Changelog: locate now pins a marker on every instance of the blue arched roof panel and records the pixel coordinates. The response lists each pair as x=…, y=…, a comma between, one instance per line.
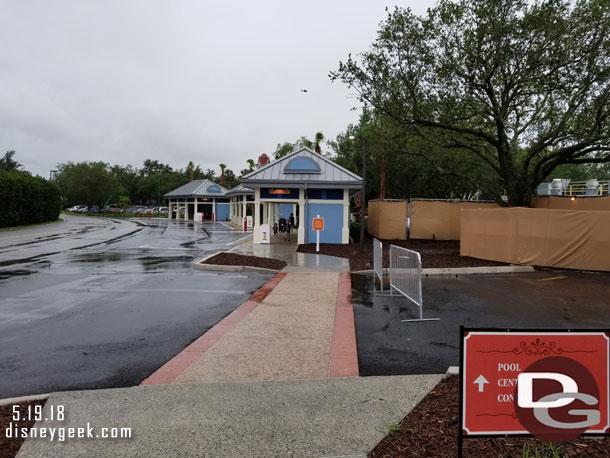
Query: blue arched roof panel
x=301, y=164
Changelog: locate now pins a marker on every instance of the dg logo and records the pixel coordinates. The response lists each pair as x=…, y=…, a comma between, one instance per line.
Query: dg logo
x=557, y=399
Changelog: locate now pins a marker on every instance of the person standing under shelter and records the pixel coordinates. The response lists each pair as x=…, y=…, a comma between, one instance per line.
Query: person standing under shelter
x=288, y=227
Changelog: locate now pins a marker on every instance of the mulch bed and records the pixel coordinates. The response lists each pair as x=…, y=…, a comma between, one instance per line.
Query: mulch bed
x=10, y=447
x=434, y=253
x=232, y=259
x=430, y=430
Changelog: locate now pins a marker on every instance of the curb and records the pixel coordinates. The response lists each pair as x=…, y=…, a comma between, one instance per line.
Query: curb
x=343, y=349
x=33, y=397
x=478, y=270
x=223, y=268
x=176, y=366
x=462, y=270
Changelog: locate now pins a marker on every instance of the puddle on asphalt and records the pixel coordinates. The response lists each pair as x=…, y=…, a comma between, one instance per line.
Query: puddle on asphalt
x=15, y=273
x=149, y=263
x=156, y=260
x=38, y=240
x=191, y=243
x=362, y=285
x=100, y=257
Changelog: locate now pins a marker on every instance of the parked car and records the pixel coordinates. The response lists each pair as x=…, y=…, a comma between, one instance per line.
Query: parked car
x=164, y=209
x=94, y=209
x=81, y=209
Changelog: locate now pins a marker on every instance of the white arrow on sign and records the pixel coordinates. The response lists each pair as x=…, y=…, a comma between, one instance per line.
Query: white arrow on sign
x=481, y=382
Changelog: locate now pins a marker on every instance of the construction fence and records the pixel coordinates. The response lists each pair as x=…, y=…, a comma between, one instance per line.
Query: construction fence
x=570, y=239
x=423, y=219
x=571, y=203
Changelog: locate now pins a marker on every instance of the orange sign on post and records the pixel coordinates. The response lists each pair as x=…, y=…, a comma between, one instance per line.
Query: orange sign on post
x=318, y=224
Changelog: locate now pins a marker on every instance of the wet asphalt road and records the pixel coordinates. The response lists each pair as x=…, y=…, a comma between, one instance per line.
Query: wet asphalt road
x=94, y=303
x=387, y=346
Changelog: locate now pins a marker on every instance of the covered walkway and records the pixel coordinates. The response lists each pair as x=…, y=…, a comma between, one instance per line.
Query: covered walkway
x=199, y=200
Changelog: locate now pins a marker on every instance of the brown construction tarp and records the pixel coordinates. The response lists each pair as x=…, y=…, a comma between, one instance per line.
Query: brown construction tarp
x=387, y=219
x=571, y=203
x=439, y=220
x=541, y=237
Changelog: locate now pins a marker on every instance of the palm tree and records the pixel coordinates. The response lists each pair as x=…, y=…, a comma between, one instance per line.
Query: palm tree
x=222, y=174
x=318, y=139
x=190, y=168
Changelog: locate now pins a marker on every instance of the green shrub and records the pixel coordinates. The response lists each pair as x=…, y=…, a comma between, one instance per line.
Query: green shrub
x=25, y=199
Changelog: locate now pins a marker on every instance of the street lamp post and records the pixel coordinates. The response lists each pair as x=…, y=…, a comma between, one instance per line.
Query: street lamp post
x=363, y=192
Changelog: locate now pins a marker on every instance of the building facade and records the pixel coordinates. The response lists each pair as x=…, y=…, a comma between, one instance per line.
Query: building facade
x=199, y=200
x=306, y=185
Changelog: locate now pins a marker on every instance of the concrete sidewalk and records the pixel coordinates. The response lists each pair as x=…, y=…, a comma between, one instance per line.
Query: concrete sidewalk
x=299, y=325
x=296, y=418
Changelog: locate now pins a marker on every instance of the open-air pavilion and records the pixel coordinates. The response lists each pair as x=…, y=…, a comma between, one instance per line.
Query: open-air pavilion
x=241, y=203
x=308, y=185
x=197, y=199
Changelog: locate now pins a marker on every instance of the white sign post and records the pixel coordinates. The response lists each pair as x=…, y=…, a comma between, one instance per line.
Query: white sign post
x=318, y=225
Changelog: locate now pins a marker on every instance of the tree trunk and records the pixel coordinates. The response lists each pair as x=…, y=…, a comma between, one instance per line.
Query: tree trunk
x=382, y=179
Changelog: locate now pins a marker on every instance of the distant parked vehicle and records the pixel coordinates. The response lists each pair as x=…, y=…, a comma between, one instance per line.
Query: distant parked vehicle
x=94, y=209
x=81, y=209
x=164, y=209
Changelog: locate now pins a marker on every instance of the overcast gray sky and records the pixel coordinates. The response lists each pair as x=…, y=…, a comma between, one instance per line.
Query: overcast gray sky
x=208, y=81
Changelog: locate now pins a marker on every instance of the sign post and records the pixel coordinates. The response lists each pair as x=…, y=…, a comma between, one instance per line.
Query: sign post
x=552, y=384
x=318, y=225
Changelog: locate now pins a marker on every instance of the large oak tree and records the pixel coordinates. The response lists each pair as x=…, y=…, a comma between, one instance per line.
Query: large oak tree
x=523, y=85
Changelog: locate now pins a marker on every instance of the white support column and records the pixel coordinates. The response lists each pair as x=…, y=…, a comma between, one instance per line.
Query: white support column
x=186, y=210
x=301, y=217
x=345, y=231
x=269, y=220
x=214, y=209
x=276, y=213
x=244, y=210
x=256, y=238
x=169, y=216
x=265, y=212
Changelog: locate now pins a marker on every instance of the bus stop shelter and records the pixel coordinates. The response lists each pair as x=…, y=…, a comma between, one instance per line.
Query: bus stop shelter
x=305, y=184
x=241, y=203
x=199, y=198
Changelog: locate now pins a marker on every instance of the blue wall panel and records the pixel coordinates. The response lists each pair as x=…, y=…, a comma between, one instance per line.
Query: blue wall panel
x=333, y=222
x=222, y=212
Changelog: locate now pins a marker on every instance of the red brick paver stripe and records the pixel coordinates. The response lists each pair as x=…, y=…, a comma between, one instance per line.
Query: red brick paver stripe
x=343, y=350
x=178, y=364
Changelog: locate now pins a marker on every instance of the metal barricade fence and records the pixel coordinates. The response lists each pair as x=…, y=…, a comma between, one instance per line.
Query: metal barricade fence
x=377, y=263
x=405, y=277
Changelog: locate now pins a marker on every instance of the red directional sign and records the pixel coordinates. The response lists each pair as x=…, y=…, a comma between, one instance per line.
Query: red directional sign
x=318, y=224
x=550, y=367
